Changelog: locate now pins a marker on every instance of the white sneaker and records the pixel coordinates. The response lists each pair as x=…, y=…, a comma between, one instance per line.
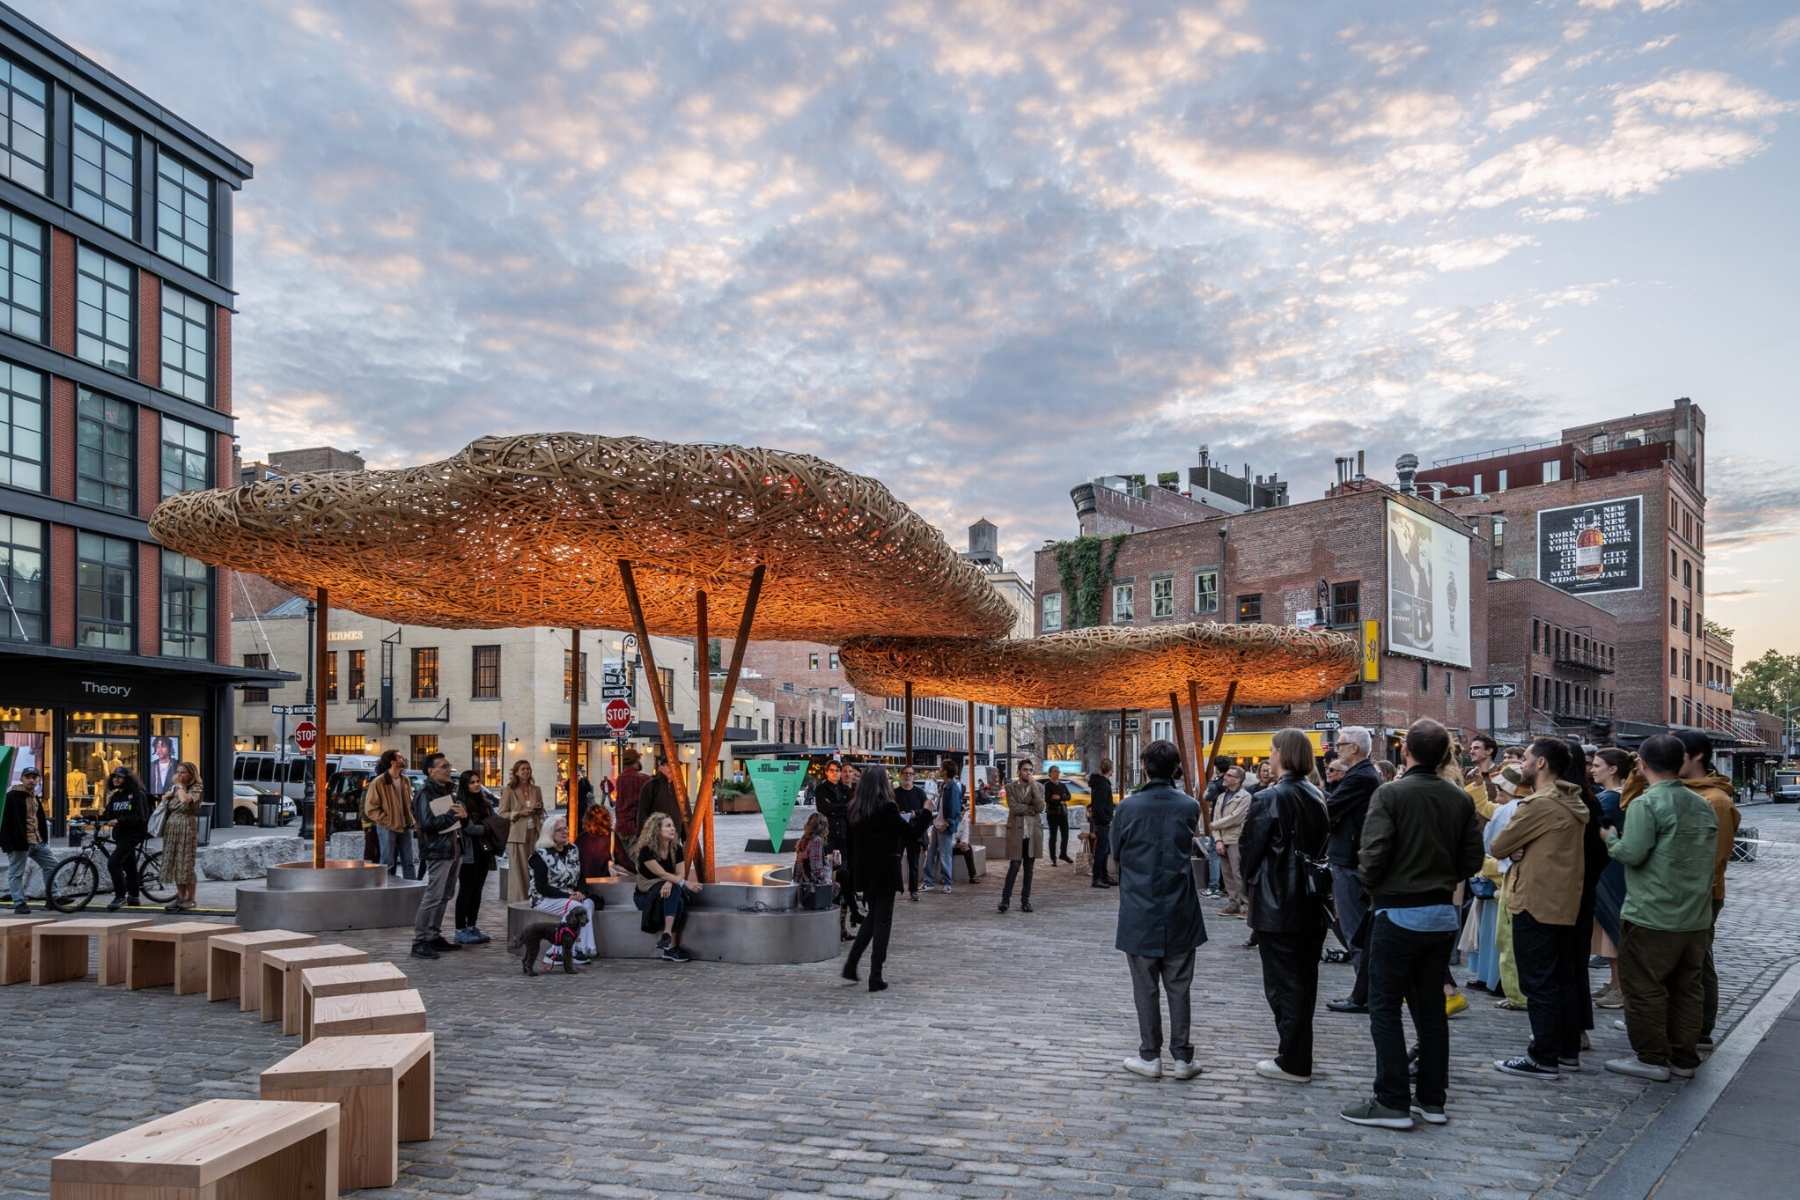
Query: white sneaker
x=1149, y=1068
x=1637, y=1068
x=1184, y=1070
x=946, y=889
x=1268, y=1068
x=1681, y=1072
x=1619, y=1023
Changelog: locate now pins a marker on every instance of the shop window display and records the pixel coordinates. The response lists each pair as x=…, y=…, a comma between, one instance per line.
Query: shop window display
x=98, y=743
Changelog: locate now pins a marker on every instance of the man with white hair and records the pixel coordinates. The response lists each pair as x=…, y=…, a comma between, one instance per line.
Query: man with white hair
x=1347, y=803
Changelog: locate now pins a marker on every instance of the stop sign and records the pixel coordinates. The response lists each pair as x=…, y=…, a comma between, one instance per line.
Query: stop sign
x=618, y=715
x=306, y=735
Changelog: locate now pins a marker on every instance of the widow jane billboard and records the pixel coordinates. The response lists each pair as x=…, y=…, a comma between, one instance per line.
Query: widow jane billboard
x=1588, y=548
x=1428, y=588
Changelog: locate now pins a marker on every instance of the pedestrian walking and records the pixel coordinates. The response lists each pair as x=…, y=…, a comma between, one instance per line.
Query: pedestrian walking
x=24, y=835
x=1056, y=815
x=1699, y=776
x=181, y=835
x=388, y=804
x=476, y=860
x=914, y=808
x=522, y=804
x=1544, y=840
x=1420, y=839
x=1024, y=833
x=939, y=863
x=1667, y=854
x=1284, y=849
x=878, y=833
x=1227, y=826
x=1160, y=924
x=128, y=809
x=1347, y=803
x=1100, y=817
x=438, y=817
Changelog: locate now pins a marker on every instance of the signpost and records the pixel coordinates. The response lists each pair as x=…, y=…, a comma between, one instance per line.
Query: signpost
x=619, y=715
x=1496, y=695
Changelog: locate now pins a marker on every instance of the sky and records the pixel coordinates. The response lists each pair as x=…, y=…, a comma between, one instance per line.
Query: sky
x=986, y=251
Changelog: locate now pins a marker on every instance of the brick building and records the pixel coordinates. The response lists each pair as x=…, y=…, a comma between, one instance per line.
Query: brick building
x=115, y=369
x=1559, y=651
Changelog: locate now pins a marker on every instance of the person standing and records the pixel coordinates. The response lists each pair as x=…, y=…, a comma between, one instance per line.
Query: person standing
x=940, y=852
x=1509, y=781
x=1348, y=806
x=909, y=798
x=625, y=801
x=1056, y=814
x=1484, y=763
x=1698, y=775
x=832, y=798
x=658, y=796
x=24, y=835
x=522, y=804
x=1609, y=768
x=128, y=808
x=438, y=818
x=877, y=833
x=1100, y=817
x=1284, y=841
x=388, y=803
x=475, y=862
x=181, y=835
x=1024, y=833
x=1160, y=924
x=1544, y=840
x=1667, y=853
x=1227, y=825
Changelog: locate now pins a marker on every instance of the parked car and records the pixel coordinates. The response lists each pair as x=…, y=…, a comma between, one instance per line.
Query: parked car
x=1787, y=787
x=244, y=799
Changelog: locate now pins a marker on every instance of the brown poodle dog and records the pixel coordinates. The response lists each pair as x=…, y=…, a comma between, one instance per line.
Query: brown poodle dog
x=560, y=932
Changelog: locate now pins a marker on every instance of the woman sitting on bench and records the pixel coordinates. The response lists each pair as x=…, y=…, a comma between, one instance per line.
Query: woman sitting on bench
x=663, y=887
x=556, y=884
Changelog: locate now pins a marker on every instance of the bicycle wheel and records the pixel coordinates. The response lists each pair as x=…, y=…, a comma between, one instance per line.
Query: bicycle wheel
x=72, y=884
x=151, y=880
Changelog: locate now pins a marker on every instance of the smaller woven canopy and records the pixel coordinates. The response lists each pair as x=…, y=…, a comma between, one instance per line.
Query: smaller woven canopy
x=527, y=531
x=1112, y=666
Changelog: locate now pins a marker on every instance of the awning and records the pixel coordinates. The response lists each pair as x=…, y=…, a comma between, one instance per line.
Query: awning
x=195, y=668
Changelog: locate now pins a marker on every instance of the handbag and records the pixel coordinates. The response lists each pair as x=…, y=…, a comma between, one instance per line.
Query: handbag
x=1315, y=874
x=159, y=817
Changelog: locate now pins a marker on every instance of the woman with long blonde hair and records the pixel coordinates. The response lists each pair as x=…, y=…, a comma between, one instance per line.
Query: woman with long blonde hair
x=665, y=885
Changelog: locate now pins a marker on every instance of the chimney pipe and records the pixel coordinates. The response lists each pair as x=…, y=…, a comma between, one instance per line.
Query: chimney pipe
x=1405, y=468
x=1359, y=465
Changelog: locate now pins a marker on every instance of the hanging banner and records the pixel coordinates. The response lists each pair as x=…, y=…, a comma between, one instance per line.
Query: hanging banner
x=1594, y=547
x=777, y=784
x=1371, y=667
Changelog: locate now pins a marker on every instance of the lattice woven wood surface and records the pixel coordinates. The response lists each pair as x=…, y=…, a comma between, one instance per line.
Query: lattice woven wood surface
x=526, y=531
x=1109, y=666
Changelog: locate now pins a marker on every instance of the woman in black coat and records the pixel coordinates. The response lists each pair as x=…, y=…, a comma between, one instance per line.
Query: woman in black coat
x=128, y=808
x=878, y=833
x=477, y=860
x=1285, y=835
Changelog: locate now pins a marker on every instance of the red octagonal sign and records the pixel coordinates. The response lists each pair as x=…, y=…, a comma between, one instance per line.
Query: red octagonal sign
x=306, y=735
x=618, y=715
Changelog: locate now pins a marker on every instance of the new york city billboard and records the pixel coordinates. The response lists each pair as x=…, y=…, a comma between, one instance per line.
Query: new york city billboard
x=1428, y=588
x=1589, y=548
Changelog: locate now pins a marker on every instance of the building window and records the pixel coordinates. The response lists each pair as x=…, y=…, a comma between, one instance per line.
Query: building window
x=346, y=743
x=486, y=671
x=23, y=126
x=568, y=684
x=1687, y=573
x=1534, y=692
x=1499, y=537
x=1687, y=666
x=1346, y=604
x=183, y=213
x=424, y=673
x=1674, y=661
x=1424, y=677
x=1124, y=603
x=359, y=674
x=812, y=662
x=103, y=290
x=331, y=677
x=186, y=607
x=1674, y=561
x=256, y=695
x=424, y=745
x=185, y=343
x=105, y=575
x=22, y=571
x=1673, y=710
x=1249, y=608
x=1687, y=617
x=21, y=427
x=1162, y=596
x=1700, y=584
x=186, y=458
x=1051, y=605
x=1475, y=485
x=484, y=758
x=1674, y=612
x=1536, y=634
x=1553, y=470
x=22, y=300
x=831, y=660
x=1206, y=592
x=104, y=156
x=105, y=451
x=1501, y=483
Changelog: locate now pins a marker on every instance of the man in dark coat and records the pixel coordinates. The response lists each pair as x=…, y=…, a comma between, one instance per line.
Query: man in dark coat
x=658, y=796
x=1160, y=925
x=1100, y=816
x=1347, y=803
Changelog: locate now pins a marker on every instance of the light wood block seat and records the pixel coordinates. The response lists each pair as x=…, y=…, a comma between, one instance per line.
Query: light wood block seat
x=234, y=962
x=318, y=983
x=384, y=1086
x=281, y=991
x=218, y=1149
x=368, y=1012
x=15, y=947
x=59, y=950
x=172, y=954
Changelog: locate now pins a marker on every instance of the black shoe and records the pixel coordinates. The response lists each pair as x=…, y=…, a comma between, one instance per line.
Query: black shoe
x=1068, y=860
x=913, y=896
x=441, y=944
x=664, y=942
x=1003, y=906
x=116, y=905
x=1527, y=1067
x=1346, y=1005
x=877, y=985
x=849, y=972
x=1024, y=906
x=423, y=950
x=1097, y=883
x=21, y=908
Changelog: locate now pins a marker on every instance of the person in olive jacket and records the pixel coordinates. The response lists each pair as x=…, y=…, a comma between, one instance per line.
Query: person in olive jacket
x=128, y=808
x=24, y=837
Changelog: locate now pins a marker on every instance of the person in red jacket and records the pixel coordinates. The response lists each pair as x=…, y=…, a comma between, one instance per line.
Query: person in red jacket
x=625, y=803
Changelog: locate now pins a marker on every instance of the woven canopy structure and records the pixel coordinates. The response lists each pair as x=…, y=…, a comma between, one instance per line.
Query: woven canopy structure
x=527, y=531
x=1111, y=666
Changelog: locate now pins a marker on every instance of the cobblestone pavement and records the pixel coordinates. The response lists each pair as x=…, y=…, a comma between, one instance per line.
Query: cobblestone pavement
x=990, y=1069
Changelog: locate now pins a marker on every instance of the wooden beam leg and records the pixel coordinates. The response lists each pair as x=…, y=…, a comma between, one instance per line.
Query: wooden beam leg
x=1203, y=771
x=661, y=702
x=1187, y=764
x=722, y=720
x=321, y=668
x=908, y=761
x=576, y=679
x=699, y=832
x=970, y=705
x=1119, y=764
x=1219, y=733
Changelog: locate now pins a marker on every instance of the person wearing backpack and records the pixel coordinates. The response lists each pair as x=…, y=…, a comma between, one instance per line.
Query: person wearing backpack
x=1282, y=851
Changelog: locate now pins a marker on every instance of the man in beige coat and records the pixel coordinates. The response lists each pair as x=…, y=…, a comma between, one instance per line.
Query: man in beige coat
x=388, y=805
x=1227, y=825
x=1024, y=833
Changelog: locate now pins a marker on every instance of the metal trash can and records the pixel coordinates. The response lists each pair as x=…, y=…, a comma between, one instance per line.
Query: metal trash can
x=206, y=820
x=268, y=812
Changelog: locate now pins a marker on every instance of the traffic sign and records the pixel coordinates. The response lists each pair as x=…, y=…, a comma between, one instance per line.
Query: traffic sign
x=306, y=735
x=293, y=710
x=1131, y=725
x=1327, y=725
x=1492, y=691
x=1332, y=715
x=618, y=715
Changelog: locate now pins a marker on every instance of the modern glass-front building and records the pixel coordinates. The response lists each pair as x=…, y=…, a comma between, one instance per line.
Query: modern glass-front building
x=116, y=304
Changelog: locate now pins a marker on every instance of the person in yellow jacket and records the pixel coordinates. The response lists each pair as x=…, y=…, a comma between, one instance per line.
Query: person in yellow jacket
x=1698, y=775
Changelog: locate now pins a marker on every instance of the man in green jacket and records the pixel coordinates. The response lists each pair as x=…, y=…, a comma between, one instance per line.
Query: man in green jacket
x=1667, y=849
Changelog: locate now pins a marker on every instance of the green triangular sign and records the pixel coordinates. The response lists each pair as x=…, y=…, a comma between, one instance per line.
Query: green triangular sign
x=777, y=783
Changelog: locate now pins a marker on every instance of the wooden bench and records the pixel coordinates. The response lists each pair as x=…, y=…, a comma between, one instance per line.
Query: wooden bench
x=368, y=1012
x=233, y=963
x=170, y=955
x=281, y=978
x=246, y=1149
x=15, y=947
x=383, y=1085
x=320, y=983
x=59, y=950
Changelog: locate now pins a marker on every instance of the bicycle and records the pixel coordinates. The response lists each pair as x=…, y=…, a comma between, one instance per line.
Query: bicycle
x=71, y=887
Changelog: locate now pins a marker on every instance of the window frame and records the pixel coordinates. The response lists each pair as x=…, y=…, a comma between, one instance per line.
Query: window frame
x=109, y=406
x=14, y=627
x=100, y=207
x=331, y=677
x=567, y=686
x=185, y=453
x=256, y=695
x=426, y=677
x=1249, y=608
x=1050, y=615
x=10, y=72
x=1337, y=617
x=177, y=309
x=1129, y=589
x=484, y=671
x=356, y=672
x=1206, y=600
x=12, y=402
x=107, y=569
x=1552, y=471
x=85, y=279
x=13, y=245
x=171, y=630
x=1162, y=597
x=204, y=194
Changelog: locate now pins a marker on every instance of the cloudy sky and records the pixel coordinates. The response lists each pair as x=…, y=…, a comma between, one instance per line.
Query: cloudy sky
x=984, y=251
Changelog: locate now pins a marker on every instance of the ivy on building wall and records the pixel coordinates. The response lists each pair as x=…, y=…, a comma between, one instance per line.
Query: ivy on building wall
x=1085, y=567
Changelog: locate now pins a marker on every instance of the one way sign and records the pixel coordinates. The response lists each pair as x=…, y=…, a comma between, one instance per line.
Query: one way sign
x=1492, y=691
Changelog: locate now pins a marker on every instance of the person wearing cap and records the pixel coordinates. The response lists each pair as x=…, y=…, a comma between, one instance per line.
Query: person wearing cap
x=24, y=832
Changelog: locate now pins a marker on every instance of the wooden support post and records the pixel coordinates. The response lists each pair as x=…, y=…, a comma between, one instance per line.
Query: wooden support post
x=1219, y=733
x=703, y=711
x=1204, y=772
x=1187, y=764
x=575, y=681
x=909, y=726
x=970, y=705
x=1119, y=763
x=321, y=665
x=661, y=702
x=712, y=738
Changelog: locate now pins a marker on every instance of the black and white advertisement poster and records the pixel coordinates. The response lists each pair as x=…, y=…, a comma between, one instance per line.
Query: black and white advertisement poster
x=1428, y=588
x=1588, y=548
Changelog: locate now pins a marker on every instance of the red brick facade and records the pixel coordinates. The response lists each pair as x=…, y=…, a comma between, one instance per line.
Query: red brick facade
x=62, y=433
x=62, y=292
x=149, y=461
x=222, y=364
x=62, y=585
x=1560, y=651
x=149, y=329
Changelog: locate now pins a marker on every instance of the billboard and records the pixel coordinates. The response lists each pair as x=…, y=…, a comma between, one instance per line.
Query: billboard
x=1428, y=588
x=1588, y=548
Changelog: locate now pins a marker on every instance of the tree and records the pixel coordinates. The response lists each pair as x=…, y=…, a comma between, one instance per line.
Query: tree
x=1719, y=631
x=1770, y=683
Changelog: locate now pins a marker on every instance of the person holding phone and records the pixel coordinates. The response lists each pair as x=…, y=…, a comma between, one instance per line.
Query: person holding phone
x=439, y=818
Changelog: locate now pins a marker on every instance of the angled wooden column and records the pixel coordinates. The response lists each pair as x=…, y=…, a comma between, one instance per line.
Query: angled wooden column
x=970, y=705
x=661, y=702
x=909, y=726
x=1119, y=763
x=321, y=665
x=703, y=714
x=1204, y=772
x=576, y=679
x=1219, y=733
x=1187, y=764
x=712, y=732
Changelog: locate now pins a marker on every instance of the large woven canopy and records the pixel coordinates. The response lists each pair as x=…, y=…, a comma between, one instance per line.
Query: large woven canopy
x=527, y=531
x=1111, y=666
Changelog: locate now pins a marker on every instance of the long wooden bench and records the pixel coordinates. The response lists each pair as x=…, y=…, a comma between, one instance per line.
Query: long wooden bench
x=321, y=983
x=15, y=947
x=281, y=969
x=384, y=1086
x=59, y=950
x=172, y=954
x=218, y=1149
x=233, y=963
x=368, y=1012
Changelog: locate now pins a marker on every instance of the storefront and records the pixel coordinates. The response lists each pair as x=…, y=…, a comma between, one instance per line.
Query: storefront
x=77, y=717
